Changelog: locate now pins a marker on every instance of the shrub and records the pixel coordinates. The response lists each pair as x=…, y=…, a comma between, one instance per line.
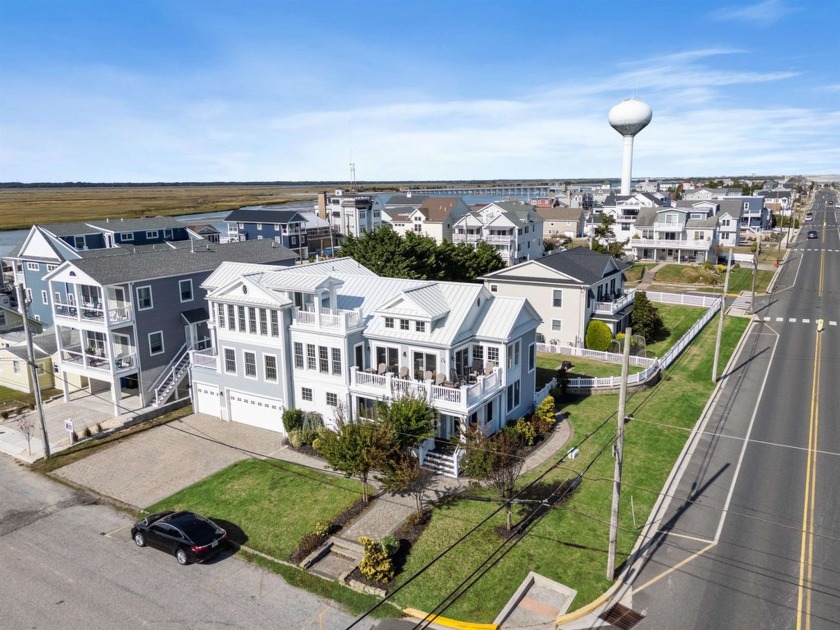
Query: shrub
x=309, y=543
x=376, y=565
x=598, y=336
x=296, y=438
x=293, y=419
x=544, y=416
x=311, y=422
x=87, y=432
x=526, y=431
x=322, y=528
x=4, y=414
x=390, y=545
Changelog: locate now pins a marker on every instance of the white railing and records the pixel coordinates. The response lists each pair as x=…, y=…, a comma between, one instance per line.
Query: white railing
x=446, y=394
x=615, y=306
x=466, y=238
x=681, y=298
x=328, y=318
x=610, y=357
x=542, y=394
x=367, y=379
x=99, y=363
x=692, y=332
x=672, y=244
x=496, y=238
x=87, y=312
x=304, y=317
x=207, y=359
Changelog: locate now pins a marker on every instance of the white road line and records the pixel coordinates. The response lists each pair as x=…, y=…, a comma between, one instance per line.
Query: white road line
x=806, y=321
x=780, y=319
x=832, y=323
x=767, y=318
x=792, y=320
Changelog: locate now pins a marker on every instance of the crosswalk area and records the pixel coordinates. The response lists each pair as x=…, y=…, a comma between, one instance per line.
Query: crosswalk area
x=795, y=320
x=819, y=249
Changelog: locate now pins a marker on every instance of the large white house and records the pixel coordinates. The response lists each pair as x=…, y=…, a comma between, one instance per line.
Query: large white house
x=332, y=334
x=513, y=228
x=434, y=217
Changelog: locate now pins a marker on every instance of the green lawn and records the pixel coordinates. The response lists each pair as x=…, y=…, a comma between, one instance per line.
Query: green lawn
x=274, y=503
x=548, y=363
x=636, y=272
x=570, y=544
x=740, y=279
x=8, y=395
x=677, y=320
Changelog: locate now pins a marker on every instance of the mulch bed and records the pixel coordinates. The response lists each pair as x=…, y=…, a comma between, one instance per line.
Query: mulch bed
x=310, y=542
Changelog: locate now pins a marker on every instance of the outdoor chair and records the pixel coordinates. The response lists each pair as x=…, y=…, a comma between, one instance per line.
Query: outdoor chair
x=488, y=368
x=404, y=372
x=440, y=379
x=382, y=369
x=428, y=375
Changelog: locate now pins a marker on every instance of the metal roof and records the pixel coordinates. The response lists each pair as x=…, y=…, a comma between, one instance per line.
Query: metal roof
x=262, y=214
x=227, y=272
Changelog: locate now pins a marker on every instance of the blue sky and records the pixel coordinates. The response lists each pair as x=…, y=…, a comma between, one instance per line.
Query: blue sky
x=184, y=90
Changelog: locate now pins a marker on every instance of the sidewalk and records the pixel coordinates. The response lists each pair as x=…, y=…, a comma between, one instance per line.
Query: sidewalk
x=647, y=279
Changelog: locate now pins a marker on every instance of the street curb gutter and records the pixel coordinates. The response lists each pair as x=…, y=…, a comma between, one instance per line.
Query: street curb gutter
x=664, y=499
x=772, y=286
x=450, y=623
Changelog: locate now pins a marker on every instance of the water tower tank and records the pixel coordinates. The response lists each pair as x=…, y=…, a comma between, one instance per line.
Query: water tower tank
x=630, y=116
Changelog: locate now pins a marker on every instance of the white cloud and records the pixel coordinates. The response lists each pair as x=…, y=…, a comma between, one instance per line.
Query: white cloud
x=763, y=13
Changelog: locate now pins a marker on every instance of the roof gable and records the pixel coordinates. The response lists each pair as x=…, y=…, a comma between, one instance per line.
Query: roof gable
x=42, y=244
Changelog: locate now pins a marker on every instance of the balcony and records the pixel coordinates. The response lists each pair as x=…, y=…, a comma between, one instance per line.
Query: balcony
x=466, y=238
x=450, y=399
x=611, y=307
x=334, y=319
x=501, y=239
x=668, y=227
x=206, y=359
x=671, y=243
x=97, y=364
x=118, y=315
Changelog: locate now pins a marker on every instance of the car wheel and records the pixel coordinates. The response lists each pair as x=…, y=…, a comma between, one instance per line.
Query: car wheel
x=182, y=557
x=139, y=539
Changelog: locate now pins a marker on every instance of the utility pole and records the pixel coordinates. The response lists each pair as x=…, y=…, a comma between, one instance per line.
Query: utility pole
x=755, y=272
x=720, y=321
x=619, y=454
x=33, y=366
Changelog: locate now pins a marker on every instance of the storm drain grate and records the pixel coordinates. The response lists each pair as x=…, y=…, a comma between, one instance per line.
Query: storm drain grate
x=621, y=617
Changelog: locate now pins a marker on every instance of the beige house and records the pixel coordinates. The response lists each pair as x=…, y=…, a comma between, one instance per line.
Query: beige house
x=568, y=289
x=560, y=222
x=14, y=368
x=434, y=217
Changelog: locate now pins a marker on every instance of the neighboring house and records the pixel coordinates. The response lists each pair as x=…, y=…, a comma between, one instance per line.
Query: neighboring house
x=287, y=227
x=14, y=363
x=350, y=214
x=434, y=217
x=513, y=228
x=319, y=235
x=133, y=316
x=206, y=232
x=778, y=201
x=12, y=320
x=560, y=222
x=729, y=227
x=329, y=335
x=755, y=216
x=47, y=246
x=567, y=290
x=624, y=209
x=679, y=234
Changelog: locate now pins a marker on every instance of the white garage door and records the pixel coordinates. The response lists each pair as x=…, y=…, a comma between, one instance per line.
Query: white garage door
x=208, y=400
x=257, y=411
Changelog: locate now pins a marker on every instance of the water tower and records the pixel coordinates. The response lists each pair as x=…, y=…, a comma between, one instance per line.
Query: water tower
x=628, y=118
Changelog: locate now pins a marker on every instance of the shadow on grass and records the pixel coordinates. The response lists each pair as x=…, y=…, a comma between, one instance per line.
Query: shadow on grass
x=235, y=533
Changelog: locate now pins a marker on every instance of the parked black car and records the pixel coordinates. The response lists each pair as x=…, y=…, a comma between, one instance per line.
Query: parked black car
x=186, y=535
x=813, y=234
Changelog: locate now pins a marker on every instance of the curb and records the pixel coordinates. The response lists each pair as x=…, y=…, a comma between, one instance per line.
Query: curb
x=449, y=623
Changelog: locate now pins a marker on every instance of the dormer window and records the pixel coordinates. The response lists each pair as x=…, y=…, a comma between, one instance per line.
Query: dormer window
x=404, y=324
x=151, y=233
x=389, y=322
x=420, y=327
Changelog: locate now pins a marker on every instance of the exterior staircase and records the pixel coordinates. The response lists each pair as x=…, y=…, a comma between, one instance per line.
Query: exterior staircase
x=171, y=376
x=343, y=556
x=442, y=463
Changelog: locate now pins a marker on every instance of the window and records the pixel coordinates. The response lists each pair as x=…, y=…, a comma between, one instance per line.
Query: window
x=557, y=324
x=478, y=354
x=144, y=298
x=389, y=322
x=336, y=360
x=259, y=226
x=276, y=227
x=29, y=295
x=79, y=241
x=275, y=326
x=151, y=233
x=33, y=266
x=310, y=356
x=306, y=393
x=293, y=240
x=250, y=364
x=724, y=222
x=332, y=399
x=16, y=367
x=221, y=315
x=532, y=357
x=494, y=288
x=230, y=361
x=231, y=317
x=493, y=355
x=513, y=396
x=252, y=320
x=404, y=324
x=298, y=354
x=420, y=327
x=241, y=226
x=44, y=297
x=52, y=267
x=186, y=289
x=263, y=322
x=126, y=236
x=156, y=342
x=240, y=310
x=558, y=298
x=270, y=364
x=323, y=360
x=167, y=233
x=513, y=355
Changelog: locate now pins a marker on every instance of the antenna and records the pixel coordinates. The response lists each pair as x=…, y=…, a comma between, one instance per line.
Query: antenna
x=352, y=163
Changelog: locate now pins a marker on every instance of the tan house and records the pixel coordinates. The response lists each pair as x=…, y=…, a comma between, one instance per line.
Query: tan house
x=434, y=217
x=568, y=289
x=14, y=368
x=560, y=222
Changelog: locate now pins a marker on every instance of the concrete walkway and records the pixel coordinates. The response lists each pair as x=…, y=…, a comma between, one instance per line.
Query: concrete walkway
x=647, y=279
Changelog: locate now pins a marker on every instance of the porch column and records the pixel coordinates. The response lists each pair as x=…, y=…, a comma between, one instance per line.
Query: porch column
x=65, y=388
x=116, y=394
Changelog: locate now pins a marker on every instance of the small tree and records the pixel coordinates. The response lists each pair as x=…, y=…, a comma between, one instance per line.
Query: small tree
x=410, y=418
x=507, y=461
x=598, y=335
x=645, y=317
x=25, y=423
x=355, y=448
x=403, y=474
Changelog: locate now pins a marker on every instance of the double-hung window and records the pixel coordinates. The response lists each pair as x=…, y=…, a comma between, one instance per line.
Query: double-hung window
x=557, y=300
x=144, y=298
x=310, y=356
x=252, y=320
x=250, y=364
x=221, y=315
x=336, y=360
x=186, y=289
x=230, y=361
x=263, y=322
x=275, y=326
x=241, y=312
x=323, y=360
x=298, y=355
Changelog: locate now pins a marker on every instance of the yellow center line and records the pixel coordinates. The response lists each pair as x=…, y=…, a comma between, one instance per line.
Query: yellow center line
x=806, y=553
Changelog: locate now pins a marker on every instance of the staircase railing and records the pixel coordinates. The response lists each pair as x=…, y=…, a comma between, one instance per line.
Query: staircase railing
x=171, y=374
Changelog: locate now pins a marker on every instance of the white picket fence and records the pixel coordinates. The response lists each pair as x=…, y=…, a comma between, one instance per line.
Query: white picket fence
x=681, y=298
x=652, y=365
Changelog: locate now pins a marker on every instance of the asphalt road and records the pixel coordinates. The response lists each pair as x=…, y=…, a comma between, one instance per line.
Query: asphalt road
x=68, y=562
x=751, y=535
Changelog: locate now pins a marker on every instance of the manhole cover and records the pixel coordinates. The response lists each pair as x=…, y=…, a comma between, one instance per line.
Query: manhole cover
x=621, y=617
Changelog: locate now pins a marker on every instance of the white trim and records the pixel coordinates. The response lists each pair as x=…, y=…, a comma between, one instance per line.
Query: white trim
x=181, y=291
x=276, y=378
x=152, y=234
x=224, y=361
x=256, y=373
x=126, y=236
x=151, y=297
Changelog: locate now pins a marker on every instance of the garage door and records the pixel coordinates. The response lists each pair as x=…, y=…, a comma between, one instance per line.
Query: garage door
x=257, y=411
x=208, y=400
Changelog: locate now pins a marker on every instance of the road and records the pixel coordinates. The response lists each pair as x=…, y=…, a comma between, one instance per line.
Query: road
x=750, y=537
x=67, y=562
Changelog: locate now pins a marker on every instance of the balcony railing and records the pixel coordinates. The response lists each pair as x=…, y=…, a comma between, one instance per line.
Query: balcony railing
x=446, y=398
x=611, y=307
x=123, y=362
x=328, y=318
x=672, y=244
x=668, y=227
x=206, y=359
x=466, y=238
x=501, y=239
x=93, y=313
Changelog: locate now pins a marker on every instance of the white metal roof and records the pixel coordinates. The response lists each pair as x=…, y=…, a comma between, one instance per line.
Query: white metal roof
x=227, y=272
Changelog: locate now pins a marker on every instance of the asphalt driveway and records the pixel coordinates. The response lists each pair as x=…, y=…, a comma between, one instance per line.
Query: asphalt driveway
x=159, y=462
